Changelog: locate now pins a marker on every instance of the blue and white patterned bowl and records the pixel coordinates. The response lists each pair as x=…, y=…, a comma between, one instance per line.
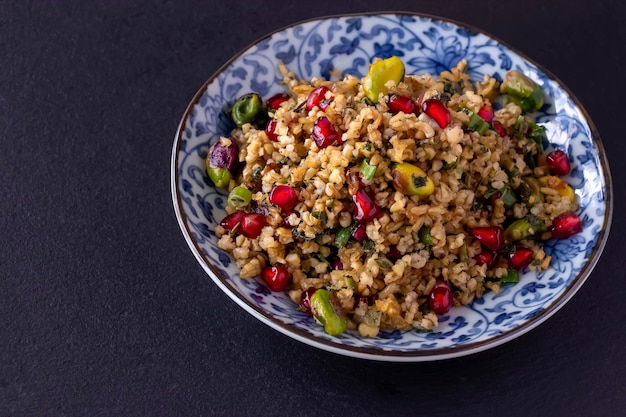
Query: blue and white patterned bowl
x=426, y=44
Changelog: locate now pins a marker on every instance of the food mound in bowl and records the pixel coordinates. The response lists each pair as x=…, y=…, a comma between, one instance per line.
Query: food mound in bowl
x=382, y=202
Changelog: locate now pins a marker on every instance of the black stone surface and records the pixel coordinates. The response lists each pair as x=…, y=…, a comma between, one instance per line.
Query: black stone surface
x=105, y=312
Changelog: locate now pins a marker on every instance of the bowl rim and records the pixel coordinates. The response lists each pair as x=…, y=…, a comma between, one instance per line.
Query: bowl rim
x=378, y=353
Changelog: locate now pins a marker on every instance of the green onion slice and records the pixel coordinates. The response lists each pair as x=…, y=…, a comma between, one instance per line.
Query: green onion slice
x=512, y=277
x=367, y=171
x=239, y=197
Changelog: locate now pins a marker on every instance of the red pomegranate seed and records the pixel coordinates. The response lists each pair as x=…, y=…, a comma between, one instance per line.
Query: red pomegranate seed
x=276, y=277
x=365, y=208
x=276, y=100
x=499, y=128
x=252, y=224
x=284, y=197
x=398, y=103
x=305, y=300
x=494, y=197
x=566, y=225
x=324, y=133
x=486, y=257
x=440, y=299
x=359, y=232
x=394, y=254
x=437, y=111
x=337, y=265
x=520, y=258
x=486, y=113
x=231, y=221
x=317, y=98
x=492, y=237
x=558, y=163
x=270, y=130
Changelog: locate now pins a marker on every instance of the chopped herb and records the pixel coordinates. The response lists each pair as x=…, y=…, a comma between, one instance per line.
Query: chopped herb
x=443, y=97
x=536, y=134
x=530, y=160
x=384, y=263
x=463, y=253
x=300, y=106
x=521, y=127
x=508, y=196
x=343, y=235
x=368, y=245
x=452, y=88
x=417, y=326
x=491, y=191
x=321, y=215
x=513, y=173
x=256, y=173
x=300, y=235
x=368, y=146
x=450, y=165
x=319, y=257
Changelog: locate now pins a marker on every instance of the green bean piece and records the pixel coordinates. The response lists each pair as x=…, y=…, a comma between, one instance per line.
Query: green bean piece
x=247, y=109
x=324, y=311
x=379, y=74
x=523, y=91
x=219, y=176
x=239, y=197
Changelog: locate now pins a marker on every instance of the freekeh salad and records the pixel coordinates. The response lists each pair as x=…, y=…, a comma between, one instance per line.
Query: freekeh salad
x=381, y=202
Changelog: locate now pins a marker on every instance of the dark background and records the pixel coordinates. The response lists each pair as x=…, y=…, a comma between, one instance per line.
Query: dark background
x=105, y=312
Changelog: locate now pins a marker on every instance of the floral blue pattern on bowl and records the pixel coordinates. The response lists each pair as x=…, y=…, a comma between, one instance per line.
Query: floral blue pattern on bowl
x=426, y=44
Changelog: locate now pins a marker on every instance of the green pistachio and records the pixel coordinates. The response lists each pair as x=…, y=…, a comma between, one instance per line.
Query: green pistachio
x=412, y=180
x=219, y=176
x=325, y=312
x=248, y=109
x=523, y=91
x=379, y=74
x=523, y=228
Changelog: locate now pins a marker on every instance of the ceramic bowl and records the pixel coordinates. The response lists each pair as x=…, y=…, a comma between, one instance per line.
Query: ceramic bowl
x=426, y=44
